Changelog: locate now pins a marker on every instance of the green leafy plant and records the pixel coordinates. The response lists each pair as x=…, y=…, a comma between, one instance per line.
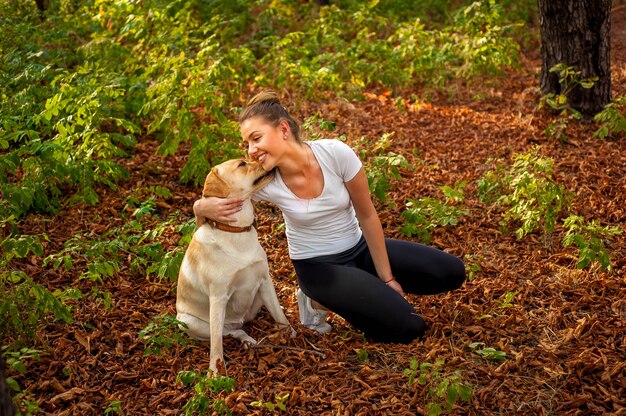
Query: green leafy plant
x=532, y=197
x=590, y=238
x=612, y=118
x=206, y=389
x=507, y=300
x=115, y=407
x=443, y=390
x=362, y=354
x=104, y=256
x=488, y=353
x=80, y=91
x=569, y=79
x=25, y=305
x=425, y=214
x=162, y=333
x=278, y=404
x=316, y=124
x=381, y=165
x=472, y=265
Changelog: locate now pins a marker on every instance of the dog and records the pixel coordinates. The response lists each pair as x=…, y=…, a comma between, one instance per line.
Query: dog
x=224, y=278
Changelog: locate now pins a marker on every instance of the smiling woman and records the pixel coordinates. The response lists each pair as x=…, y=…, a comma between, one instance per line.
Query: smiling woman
x=336, y=243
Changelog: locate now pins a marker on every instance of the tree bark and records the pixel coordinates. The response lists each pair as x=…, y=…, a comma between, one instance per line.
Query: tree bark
x=577, y=33
x=6, y=403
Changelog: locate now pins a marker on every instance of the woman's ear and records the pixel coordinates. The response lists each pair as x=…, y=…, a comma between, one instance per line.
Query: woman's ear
x=284, y=128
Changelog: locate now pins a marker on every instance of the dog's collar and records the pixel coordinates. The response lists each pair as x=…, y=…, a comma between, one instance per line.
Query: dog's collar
x=228, y=228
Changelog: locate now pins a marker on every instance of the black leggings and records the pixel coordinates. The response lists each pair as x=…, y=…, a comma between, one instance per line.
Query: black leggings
x=348, y=285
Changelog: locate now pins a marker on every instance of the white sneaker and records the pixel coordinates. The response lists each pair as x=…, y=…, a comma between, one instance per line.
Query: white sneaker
x=310, y=317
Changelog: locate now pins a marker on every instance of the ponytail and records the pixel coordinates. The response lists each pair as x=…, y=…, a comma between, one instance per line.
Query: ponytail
x=267, y=104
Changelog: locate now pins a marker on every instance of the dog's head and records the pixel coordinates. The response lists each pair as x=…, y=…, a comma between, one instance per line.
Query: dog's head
x=236, y=178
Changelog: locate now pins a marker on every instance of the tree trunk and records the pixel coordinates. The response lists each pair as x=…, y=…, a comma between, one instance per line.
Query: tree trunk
x=6, y=403
x=577, y=33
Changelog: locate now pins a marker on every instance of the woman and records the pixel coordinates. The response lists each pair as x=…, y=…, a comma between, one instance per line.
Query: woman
x=342, y=260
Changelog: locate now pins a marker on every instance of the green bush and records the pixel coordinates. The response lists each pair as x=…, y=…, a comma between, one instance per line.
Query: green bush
x=163, y=332
x=612, y=118
x=80, y=90
x=206, y=389
x=590, y=238
x=26, y=305
x=532, y=198
x=442, y=390
x=381, y=165
x=134, y=243
x=425, y=214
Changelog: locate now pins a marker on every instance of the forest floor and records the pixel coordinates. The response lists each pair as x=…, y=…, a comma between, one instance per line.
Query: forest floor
x=562, y=328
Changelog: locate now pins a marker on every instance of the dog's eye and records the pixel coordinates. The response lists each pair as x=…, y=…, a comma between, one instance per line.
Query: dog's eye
x=242, y=164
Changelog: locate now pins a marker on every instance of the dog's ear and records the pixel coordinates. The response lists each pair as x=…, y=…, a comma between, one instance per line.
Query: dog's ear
x=214, y=185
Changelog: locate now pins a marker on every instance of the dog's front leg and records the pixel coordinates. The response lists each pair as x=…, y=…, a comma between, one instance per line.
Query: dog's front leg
x=270, y=300
x=217, y=314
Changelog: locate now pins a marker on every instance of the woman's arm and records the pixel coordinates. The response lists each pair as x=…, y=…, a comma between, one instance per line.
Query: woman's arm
x=372, y=229
x=217, y=209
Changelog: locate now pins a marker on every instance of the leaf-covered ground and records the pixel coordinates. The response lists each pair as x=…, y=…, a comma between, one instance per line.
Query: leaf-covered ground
x=563, y=331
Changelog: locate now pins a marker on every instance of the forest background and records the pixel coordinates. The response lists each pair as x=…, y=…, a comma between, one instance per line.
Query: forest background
x=112, y=113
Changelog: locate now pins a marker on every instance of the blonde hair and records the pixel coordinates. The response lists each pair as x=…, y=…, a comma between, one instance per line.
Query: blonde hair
x=267, y=104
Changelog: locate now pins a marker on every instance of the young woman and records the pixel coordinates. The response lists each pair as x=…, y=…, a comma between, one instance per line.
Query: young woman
x=342, y=260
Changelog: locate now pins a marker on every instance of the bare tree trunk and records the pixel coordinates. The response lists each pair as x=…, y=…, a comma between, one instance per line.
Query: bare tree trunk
x=6, y=403
x=577, y=33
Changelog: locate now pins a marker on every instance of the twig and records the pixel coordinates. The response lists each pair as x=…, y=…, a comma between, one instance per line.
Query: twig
x=283, y=347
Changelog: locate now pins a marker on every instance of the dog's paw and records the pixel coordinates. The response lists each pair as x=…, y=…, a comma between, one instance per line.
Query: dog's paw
x=214, y=366
x=248, y=341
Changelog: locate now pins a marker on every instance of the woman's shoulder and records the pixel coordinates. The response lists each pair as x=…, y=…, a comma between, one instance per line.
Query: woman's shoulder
x=330, y=145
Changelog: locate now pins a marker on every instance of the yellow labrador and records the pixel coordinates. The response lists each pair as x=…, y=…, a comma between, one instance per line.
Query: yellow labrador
x=224, y=278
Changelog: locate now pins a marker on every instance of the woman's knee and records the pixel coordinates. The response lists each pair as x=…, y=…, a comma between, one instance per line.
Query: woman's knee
x=402, y=332
x=414, y=329
x=456, y=273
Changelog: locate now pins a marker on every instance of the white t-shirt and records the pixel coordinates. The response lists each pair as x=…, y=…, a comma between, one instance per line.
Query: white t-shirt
x=326, y=224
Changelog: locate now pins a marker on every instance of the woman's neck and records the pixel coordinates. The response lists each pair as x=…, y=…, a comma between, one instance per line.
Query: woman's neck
x=296, y=161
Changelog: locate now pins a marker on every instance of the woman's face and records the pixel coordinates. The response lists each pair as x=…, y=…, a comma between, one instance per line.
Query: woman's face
x=265, y=142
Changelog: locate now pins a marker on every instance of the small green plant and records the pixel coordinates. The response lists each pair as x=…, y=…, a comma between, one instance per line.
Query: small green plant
x=472, y=265
x=590, y=238
x=163, y=332
x=612, y=118
x=534, y=199
x=507, y=300
x=443, y=391
x=569, y=79
x=115, y=407
x=381, y=165
x=425, y=214
x=206, y=389
x=278, y=404
x=362, y=354
x=489, y=353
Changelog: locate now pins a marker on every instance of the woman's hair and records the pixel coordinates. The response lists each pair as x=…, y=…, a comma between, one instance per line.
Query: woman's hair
x=266, y=104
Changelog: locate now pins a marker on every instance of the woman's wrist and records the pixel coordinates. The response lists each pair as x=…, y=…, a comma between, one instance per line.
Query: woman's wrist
x=196, y=207
x=389, y=281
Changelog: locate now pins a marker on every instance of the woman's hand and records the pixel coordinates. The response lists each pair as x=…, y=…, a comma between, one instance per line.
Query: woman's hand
x=217, y=209
x=396, y=286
